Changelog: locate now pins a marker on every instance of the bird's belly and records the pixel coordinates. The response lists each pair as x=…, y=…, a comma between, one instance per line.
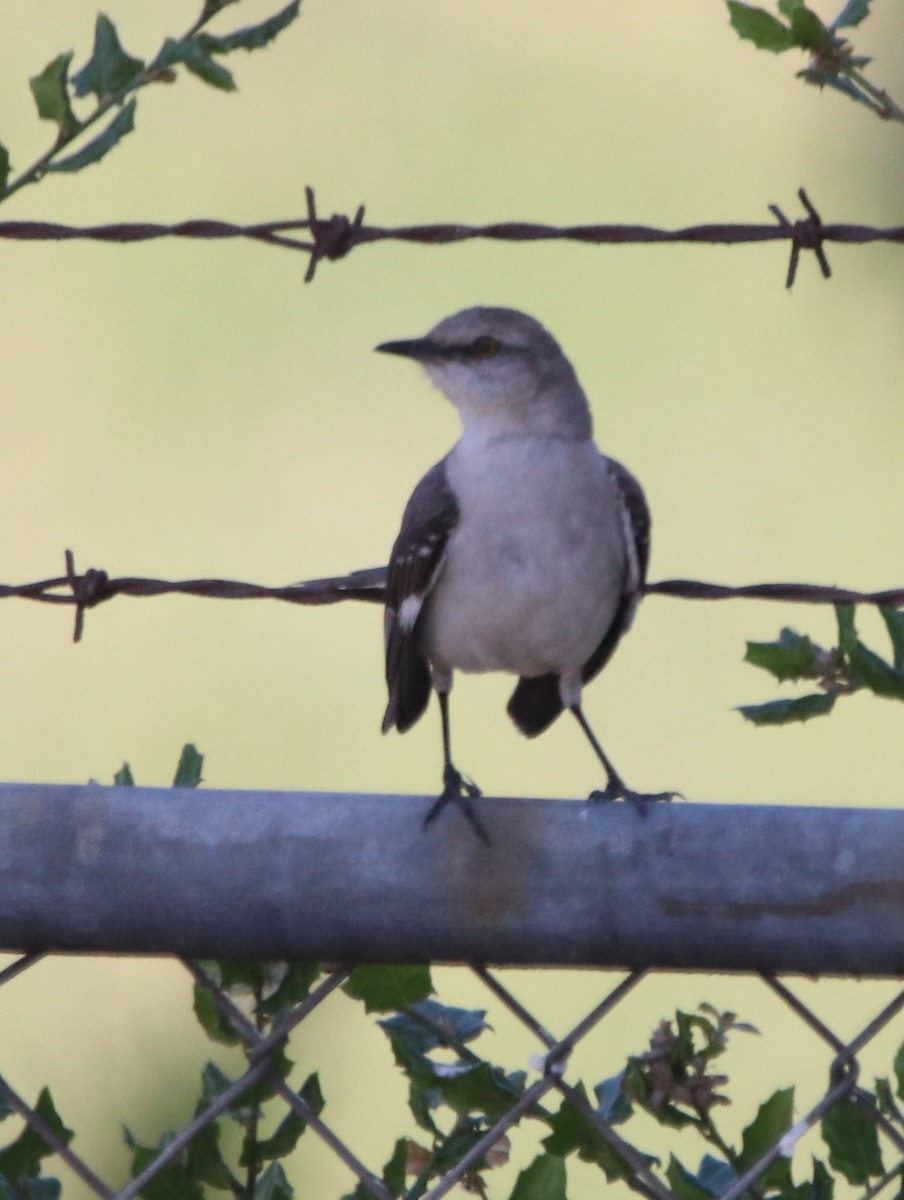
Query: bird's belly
x=501, y=604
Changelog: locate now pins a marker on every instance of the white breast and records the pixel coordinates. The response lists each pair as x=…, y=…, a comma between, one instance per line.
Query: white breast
x=536, y=567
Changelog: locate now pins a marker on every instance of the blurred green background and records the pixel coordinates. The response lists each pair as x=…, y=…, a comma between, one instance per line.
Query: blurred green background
x=192, y=409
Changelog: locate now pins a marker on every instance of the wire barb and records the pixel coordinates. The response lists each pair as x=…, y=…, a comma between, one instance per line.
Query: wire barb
x=805, y=234
x=332, y=238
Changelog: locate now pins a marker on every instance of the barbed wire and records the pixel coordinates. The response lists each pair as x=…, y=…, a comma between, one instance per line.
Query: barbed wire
x=95, y=586
x=335, y=236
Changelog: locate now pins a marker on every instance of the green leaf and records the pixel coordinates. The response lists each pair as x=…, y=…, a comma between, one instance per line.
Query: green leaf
x=295, y=984
x=820, y=1187
x=477, y=1088
x=188, y=772
x=847, y=633
x=760, y=27
x=284, y=1139
x=273, y=1184
x=124, y=777
x=212, y=1021
x=611, y=1102
x=894, y=623
x=684, y=1183
x=394, y=1171
x=875, y=673
x=788, y=7
x=899, y=1071
x=853, y=1142
x=122, y=123
x=109, y=69
x=571, y=1131
x=781, y=712
x=191, y=55
x=716, y=1176
x=544, y=1179
x=852, y=13
x=808, y=31
x=22, y=1157
x=253, y=37
x=214, y=1083
x=422, y=1035
x=886, y=1100
x=384, y=989
x=773, y=1120
x=204, y=1159
x=171, y=1182
x=52, y=96
x=793, y=656
x=33, y=1189
x=248, y=1104
x=5, y=168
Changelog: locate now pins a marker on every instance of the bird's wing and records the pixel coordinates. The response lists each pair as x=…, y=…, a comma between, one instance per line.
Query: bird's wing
x=417, y=558
x=535, y=703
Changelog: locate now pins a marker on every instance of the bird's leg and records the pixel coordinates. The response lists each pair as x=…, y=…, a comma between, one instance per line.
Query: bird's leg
x=457, y=788
x=615, y=789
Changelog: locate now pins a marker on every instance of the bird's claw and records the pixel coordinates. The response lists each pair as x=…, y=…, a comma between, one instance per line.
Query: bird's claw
x=459, y=790
x=642, y=801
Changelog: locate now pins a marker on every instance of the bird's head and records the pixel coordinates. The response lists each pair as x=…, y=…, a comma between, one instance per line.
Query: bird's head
x=504, y=373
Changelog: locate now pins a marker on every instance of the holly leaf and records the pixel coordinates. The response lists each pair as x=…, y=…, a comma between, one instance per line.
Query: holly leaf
x=284, y=1139
x=110, y=69
x=22, y=1157
x=544, y=1179
x=253, y=37
x=124, y=777
x=852, y=14
x=51, y=93
x=873, y=671
x=476, y=1088
x=793, y=656
x=808, y=31
x=772, y=1122
x=122, y=123
x=684, y=1183
x=421, y=1029
x=571, y=1130
x=782, y=712
x=760, y=27
x=273, y=1184
x=188, y=771
x=386, y=989
x=853, y=1142
x=894, y=623
x=211, y=1019
x=192, y=55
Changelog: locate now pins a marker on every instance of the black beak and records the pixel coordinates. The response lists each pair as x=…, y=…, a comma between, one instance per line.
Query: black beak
x=421, y=349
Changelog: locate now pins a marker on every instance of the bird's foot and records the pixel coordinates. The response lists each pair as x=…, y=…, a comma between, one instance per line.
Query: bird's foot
x=459, y=790
x=641, y=800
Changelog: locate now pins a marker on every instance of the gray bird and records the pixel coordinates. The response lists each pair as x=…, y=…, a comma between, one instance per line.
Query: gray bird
x=524, y=550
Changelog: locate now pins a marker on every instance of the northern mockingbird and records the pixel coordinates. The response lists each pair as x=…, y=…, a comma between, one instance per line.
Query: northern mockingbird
x=524, y=550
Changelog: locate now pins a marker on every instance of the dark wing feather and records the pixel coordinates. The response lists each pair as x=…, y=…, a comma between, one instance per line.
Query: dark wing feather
x=535, y=703
x=417, y=557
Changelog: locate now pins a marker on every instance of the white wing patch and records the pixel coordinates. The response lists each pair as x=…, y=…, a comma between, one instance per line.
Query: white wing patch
x=409, y=611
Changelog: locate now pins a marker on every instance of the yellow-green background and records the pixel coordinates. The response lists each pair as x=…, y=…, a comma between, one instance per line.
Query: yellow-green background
x=177, y=409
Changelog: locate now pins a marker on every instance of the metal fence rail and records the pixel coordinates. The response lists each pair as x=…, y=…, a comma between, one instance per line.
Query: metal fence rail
x=351, y=879
x=355, y=878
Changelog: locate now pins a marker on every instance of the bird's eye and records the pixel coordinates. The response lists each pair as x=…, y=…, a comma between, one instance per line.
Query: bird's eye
x=484, y=347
